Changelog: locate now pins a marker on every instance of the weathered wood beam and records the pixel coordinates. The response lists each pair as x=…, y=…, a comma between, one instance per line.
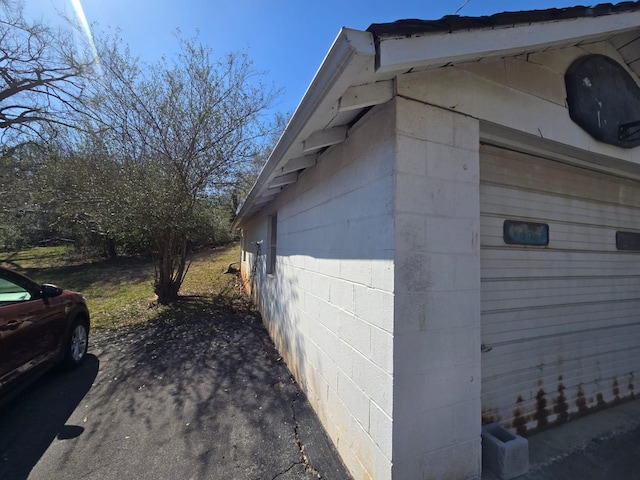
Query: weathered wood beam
x=265, y=199
x=363, y=96
x=283, y=180
x=325, y=138
x=298, y=163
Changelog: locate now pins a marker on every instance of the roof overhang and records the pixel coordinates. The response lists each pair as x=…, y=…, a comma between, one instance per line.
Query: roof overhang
x=359, y=69
x=440, y=49
x=351, y=60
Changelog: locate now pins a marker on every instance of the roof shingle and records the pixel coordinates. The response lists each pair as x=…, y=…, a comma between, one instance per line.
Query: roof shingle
x=451, y=23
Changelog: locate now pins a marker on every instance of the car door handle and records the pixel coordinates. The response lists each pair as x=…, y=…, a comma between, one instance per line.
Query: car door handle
x=12, y=325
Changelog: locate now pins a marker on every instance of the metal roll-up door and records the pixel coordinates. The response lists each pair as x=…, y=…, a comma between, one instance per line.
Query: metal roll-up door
x=560, y=322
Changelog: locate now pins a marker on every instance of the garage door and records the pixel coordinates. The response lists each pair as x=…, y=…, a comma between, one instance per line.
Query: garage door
x=560, y=321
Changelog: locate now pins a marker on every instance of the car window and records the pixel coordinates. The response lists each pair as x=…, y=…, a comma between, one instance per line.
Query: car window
x=11, y=292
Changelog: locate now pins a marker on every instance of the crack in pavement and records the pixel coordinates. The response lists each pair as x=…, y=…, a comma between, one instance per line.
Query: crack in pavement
x=304, y=458
x=285, y=470
x=303, y=455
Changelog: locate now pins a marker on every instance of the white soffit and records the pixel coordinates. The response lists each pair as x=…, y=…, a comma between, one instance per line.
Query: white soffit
x=406, y=53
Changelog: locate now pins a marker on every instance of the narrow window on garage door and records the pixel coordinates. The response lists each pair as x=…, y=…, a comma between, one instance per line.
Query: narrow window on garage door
x=273, y=238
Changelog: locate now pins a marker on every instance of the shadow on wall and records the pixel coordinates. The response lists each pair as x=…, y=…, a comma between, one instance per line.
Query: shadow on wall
x=277, y=297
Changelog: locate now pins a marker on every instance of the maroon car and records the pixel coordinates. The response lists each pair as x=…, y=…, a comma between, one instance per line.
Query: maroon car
x=40, y=326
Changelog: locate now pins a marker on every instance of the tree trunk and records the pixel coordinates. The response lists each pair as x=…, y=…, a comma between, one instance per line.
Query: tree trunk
x=111, y=248
x=171, y=267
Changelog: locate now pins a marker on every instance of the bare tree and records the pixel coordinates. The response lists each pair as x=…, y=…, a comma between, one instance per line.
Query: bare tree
x=42, y=71
x=244, y=177
x=177, y=130
x=42, y=75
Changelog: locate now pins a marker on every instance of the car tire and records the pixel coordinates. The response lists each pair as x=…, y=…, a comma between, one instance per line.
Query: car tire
x=77, y=342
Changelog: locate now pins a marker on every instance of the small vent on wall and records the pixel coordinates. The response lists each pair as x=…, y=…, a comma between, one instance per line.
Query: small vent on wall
x=628, y=241
x=525, y=233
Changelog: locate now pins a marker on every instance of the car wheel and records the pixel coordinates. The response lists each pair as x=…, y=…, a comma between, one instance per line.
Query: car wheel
x=76, y=345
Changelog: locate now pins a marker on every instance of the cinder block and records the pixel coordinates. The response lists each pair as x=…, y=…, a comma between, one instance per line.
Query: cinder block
x=357, y=271
x=376, y=382
x=341, y=294
x=381, y=429
x=382, y=274
x=382, y=349
x=505, y=454
x=356, y=401
x=355, y=332
x=374, y=307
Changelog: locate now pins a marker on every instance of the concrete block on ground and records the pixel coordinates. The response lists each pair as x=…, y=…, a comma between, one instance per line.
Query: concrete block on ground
x=505, y=454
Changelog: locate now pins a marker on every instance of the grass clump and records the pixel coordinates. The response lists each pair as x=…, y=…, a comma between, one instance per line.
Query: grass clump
x=120, y=291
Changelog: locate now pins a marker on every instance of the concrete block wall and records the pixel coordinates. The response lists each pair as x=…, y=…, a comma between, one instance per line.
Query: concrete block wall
x=329, y=305
x=436, y=422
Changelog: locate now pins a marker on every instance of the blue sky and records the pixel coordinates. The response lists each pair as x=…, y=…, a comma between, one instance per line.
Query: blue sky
x=286, y=39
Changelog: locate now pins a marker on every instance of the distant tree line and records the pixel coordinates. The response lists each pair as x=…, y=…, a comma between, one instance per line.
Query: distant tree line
x=119, y=156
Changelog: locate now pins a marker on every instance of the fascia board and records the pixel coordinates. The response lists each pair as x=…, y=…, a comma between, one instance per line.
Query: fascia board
x=350, y=60
x=402, y=54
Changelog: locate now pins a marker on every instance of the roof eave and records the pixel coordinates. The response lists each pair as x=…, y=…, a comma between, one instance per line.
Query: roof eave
x=402, y=53
x=358, y=58
x=351, y=59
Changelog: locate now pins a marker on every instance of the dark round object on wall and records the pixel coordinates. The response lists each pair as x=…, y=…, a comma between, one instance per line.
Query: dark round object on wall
x=604, y=100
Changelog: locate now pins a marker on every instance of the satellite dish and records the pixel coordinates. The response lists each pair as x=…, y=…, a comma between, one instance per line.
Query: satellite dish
x=604, y=100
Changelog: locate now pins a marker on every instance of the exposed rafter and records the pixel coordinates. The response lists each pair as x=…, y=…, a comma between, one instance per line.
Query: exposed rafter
x=265, y=199
x=325, y=138
x=283, y=180
x=299, y=163
x=364, y=96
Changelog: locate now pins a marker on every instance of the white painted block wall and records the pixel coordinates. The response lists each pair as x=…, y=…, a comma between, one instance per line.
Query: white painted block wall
x=329, y=306
x=437, y=380
x=389, y=357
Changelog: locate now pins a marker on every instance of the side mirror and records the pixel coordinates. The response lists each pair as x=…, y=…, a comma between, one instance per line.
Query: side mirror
x=47, y=290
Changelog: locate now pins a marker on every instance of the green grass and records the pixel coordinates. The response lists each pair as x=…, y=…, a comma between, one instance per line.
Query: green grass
x=120, y=291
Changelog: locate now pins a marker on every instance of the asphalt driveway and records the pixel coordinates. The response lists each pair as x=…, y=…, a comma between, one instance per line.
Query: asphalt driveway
x=206, y=397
